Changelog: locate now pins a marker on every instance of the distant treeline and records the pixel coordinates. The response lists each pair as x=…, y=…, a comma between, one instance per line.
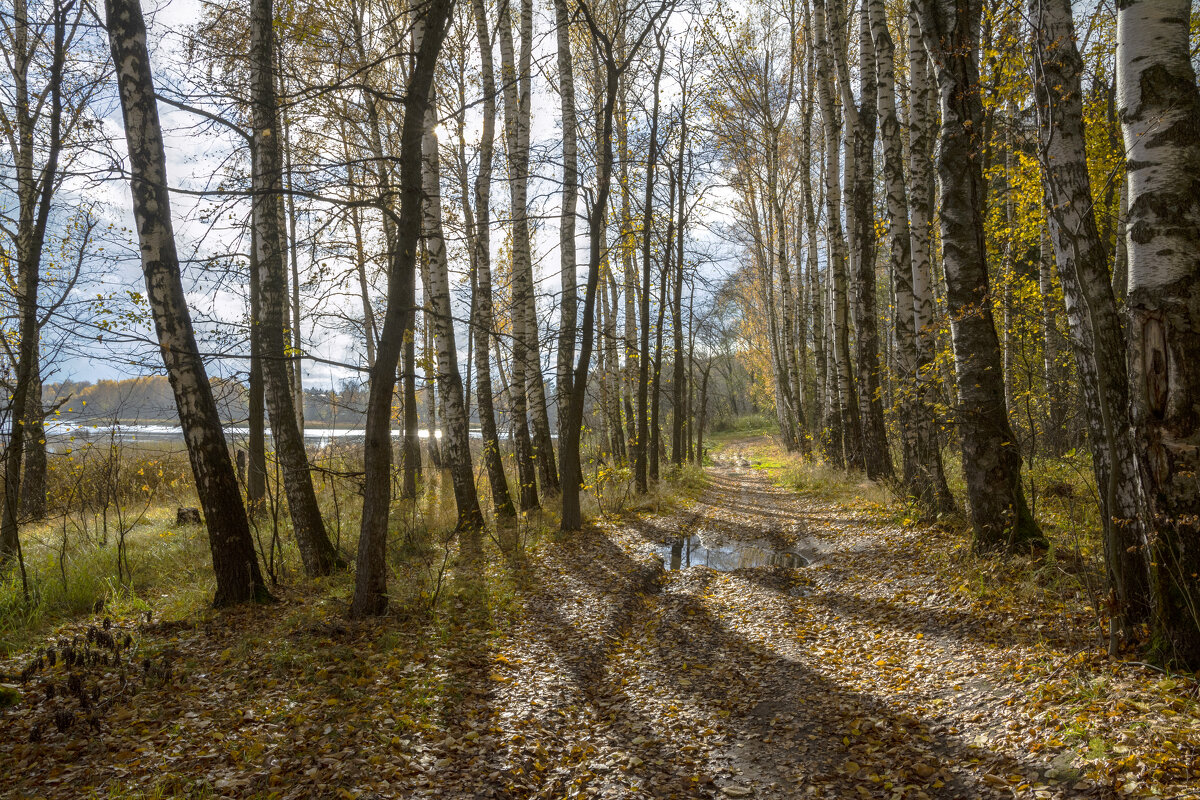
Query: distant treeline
x=149, y=400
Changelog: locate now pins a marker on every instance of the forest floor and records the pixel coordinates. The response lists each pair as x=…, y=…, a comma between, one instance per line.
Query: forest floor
x=588, y=667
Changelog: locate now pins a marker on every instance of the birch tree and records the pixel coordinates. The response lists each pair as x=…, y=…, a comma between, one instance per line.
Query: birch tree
x=528, y=392
x=568, y=309
x=850, y=426
x=482, y=297
x=234, y=562
x=317, y=552
x=457, y=441
x=1096, y=333
x=1159, y=107
x=927, y=452
x=999, y=513
x=35, y=192
x=614, y=67
x=370, y=584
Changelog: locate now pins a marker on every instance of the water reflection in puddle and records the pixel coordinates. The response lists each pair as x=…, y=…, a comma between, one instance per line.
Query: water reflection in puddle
x=725, y=556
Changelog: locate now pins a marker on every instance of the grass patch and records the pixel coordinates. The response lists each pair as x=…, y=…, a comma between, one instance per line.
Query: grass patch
x=747, y=425
x=815, y=477
x=72, y=572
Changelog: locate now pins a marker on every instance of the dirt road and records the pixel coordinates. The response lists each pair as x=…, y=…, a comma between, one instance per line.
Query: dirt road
x=835, y=679
x=826, y=655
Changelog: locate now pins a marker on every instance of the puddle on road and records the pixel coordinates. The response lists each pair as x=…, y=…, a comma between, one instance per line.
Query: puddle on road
x=725, y=556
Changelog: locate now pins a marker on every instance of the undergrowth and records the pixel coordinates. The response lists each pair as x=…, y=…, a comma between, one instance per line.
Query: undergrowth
x=89, y=559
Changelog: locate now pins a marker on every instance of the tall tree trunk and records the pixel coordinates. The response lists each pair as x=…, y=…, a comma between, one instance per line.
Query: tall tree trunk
x=484, y=320
x=850, y=428
x=430, y=367
x=569, y=304
x=762, y=229
x=1121, y=258
x=410, y=440
x=1053, y=379
x=290, y=252
x=701, y=417
x=629, y=273
x=572, y=473
x=656, y=378
x=834, y=425
x=34, y=196
x=786, y=341
x=370, y=580
x=316, y=551
x=256, y=436
x=513, y=79
x=1160, y=120
x=816, y=317
x=33, y=482
x=613, y=345
x=604, y=370
x=464, y=187
x=440, y=317
x=543, y=441
x=681, y=421
x=931, y=478
x=370, y=333
x=615, y=374
x=797, y=348
x=234, y=562
x=816, y=326
x=896, y=194
x=877, y=456
x=640, y=453
x=1007, y=277
x=991, y=457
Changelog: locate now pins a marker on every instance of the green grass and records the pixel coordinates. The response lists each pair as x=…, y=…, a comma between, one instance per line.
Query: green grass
x=72, y=573
x=748, y=425
x=71, y=560
x=815, y=477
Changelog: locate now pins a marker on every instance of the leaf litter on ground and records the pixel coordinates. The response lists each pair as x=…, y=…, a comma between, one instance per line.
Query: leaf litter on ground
x=888, y=668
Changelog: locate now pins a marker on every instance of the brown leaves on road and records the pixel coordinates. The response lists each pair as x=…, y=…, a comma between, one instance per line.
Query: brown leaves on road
x=586, y=670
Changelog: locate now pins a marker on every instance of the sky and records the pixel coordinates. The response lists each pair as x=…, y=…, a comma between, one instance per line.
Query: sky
x=197, y=154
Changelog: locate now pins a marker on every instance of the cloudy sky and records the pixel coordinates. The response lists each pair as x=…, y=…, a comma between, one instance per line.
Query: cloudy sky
x=199, y=154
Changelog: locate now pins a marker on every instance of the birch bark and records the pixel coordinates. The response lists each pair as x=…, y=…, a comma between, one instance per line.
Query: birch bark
x=234, y=562
x=484, y=320
x=1159, y=107
x=457, y=441
x=514, y=79
x=900, y=248
x=1097, y=338
x=991, y=458
x=569, y=302
x=928, y=452
x=316, y=551
x=849, y=440
x=641, y=452
x=877, y=457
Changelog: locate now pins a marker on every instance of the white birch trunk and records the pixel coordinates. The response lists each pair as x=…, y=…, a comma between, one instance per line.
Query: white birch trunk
x=1159, y=107
x=457, y=442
